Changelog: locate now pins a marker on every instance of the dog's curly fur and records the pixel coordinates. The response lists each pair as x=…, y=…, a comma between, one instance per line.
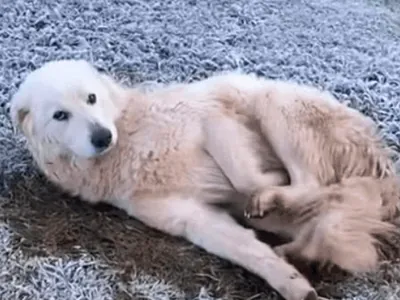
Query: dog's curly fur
x=170, y=157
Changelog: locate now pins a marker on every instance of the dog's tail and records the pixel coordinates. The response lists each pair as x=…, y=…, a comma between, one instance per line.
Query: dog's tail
x=349, y=233
x=350, y=239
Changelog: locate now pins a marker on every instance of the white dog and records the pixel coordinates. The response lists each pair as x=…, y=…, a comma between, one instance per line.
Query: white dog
x=168, y=155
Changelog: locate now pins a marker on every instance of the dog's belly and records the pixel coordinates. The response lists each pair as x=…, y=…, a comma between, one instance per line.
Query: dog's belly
x=210, y=183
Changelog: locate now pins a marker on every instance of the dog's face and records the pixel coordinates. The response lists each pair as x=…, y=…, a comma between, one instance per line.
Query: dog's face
x=69, y=107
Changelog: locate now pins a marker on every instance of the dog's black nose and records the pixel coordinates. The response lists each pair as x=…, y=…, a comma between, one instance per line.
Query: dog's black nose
x=101, y=138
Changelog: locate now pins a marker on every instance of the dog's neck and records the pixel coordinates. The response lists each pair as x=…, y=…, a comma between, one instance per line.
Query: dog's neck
x=79, y=177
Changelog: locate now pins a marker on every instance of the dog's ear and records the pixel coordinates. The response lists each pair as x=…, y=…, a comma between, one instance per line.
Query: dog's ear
x=19, y=111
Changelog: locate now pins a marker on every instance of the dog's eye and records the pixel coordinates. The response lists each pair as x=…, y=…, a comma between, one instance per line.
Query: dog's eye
x=61, y=115
x=91, y=99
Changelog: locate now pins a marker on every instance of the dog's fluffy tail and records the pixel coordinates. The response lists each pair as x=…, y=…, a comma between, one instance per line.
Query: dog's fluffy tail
x=348, y=233
x=348, y=238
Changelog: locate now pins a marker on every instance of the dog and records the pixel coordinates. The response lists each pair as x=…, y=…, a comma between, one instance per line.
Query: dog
x=156, y=154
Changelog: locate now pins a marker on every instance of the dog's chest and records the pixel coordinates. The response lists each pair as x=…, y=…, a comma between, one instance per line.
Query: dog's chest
x=168, y=156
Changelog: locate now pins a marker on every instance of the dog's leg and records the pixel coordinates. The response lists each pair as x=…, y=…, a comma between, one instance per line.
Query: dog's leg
x=218, y=233
x=296, y=128
x=299, y=201
x=294, y=119
x=233, y=147
x=318, y=140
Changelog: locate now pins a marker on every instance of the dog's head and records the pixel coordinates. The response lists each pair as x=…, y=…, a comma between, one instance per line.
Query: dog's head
x=67, y=106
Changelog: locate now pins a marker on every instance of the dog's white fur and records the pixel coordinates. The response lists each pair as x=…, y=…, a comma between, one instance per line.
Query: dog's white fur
x=166, y=166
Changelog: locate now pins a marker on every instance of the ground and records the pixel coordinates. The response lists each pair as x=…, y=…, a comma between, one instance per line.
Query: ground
x=53, y=247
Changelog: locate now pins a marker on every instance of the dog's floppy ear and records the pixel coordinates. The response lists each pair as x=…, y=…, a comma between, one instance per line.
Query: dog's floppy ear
x=19, y=110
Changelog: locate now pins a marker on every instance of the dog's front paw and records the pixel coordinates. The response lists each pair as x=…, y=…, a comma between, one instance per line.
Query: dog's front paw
x=262, y=203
